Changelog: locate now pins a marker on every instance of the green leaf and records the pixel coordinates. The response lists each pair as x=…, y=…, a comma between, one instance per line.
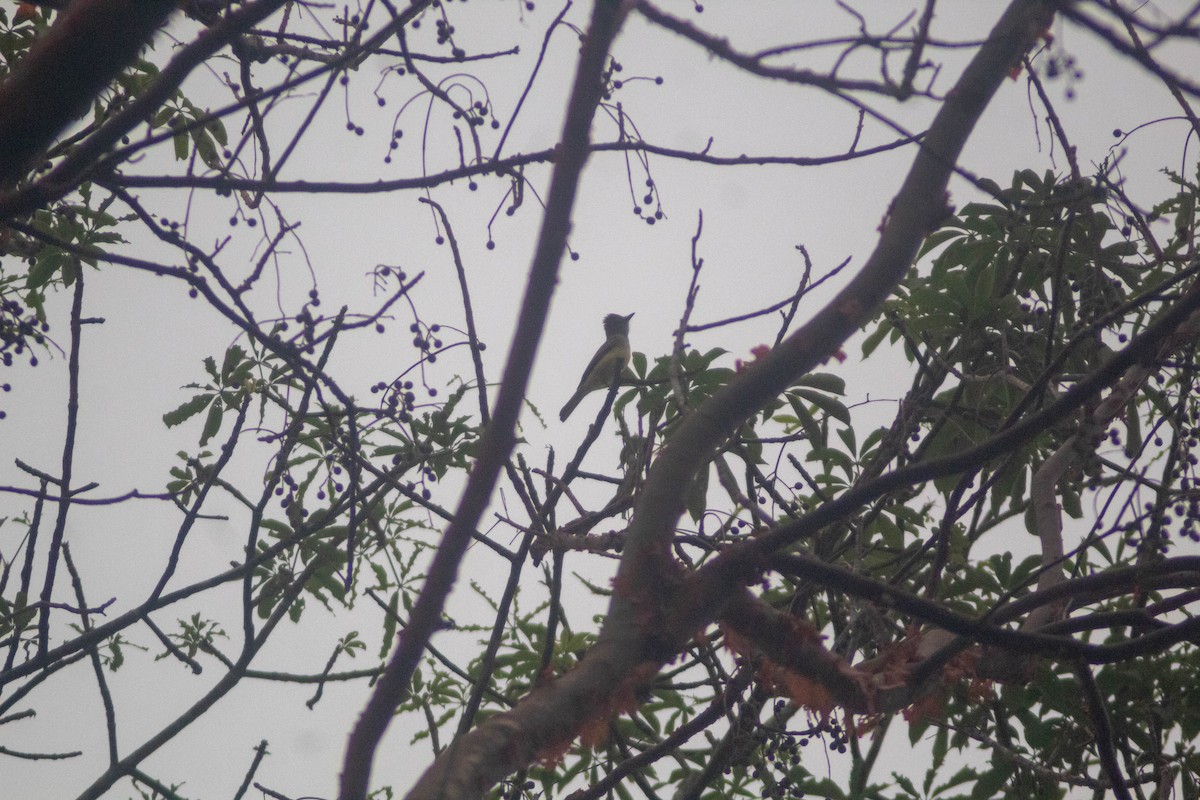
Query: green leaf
x=233, y=357
x=206, y=149
x=873, y=438
x=990, y=186
x=829, y=405
x=1133, y=432
x=217, y=129
x=941, y=745
x=964, y=775
x=389, y=624
x=824, y=381
x=281, y=529
x=697, y=495
x=936, y=239
x=44, y=268
x=848, y=439
x=888, y=531
x=70, y=271
x=906, y=785
x=992, y=781
x=876, y=337
x=213, y=423
x=160, y=119
x=1071, y=504
x=815, y=433
x=830, y=456
x=985, y=289
x=186, y=411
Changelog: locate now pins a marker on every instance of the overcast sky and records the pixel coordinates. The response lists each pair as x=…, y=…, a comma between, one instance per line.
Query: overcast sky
x=154, y=337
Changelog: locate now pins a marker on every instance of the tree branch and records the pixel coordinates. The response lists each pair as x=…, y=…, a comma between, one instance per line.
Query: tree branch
x=494, y=447
x=88, y=45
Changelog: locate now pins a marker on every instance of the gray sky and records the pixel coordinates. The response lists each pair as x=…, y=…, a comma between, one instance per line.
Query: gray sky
x=154, y=338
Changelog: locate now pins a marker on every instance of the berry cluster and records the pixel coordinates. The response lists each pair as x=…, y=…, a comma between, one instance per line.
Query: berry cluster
x=780, y=770
x=20, y=329
x=399, y=398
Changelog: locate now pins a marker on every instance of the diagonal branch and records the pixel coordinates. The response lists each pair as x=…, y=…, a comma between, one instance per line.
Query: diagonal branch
x=499, y=437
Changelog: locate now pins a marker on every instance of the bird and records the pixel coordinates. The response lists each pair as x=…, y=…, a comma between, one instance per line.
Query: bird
x=606, y=366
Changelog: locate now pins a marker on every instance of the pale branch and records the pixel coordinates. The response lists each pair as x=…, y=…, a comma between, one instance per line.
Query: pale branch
x=1044, y=486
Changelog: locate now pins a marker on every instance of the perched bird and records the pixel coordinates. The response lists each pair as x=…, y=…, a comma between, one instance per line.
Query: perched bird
x=606, y=366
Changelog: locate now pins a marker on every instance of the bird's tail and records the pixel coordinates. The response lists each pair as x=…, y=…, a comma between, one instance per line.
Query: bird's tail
x=570, y=406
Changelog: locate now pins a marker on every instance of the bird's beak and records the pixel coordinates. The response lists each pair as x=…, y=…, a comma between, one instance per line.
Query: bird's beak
x=629, y=316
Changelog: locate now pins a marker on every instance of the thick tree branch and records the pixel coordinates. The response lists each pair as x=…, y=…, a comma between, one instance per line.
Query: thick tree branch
x=88, y=45
x=917, y=209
